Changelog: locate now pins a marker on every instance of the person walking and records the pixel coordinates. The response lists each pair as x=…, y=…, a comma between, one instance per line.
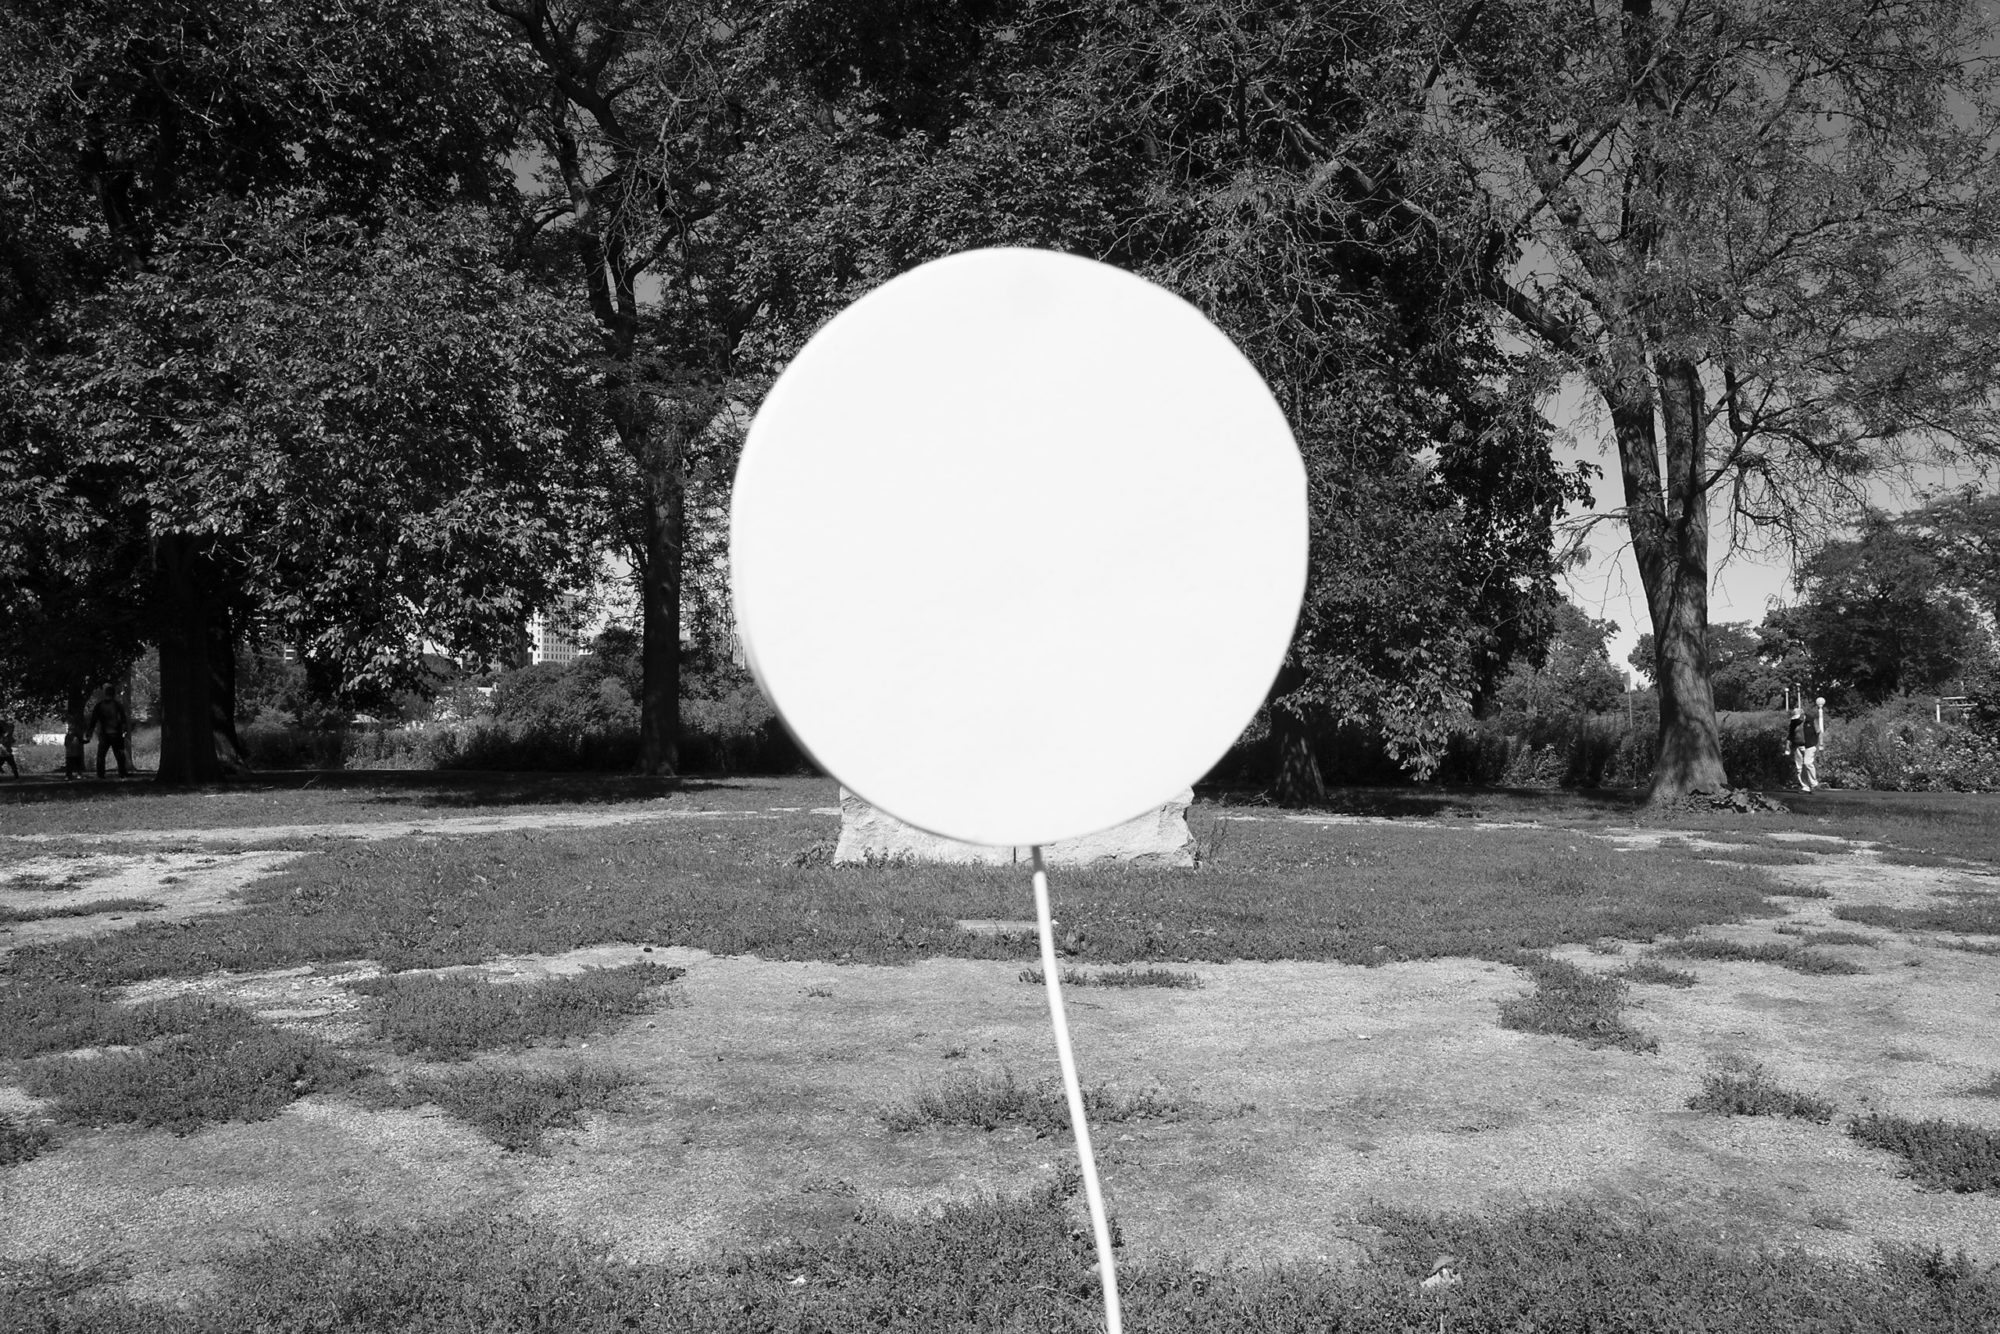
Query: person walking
x=108, y=723
x=1803, y=736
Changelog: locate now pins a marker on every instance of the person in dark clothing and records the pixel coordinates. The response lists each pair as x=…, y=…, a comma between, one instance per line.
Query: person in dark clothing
x=1803, y=735
x=108, y=723
x=7, y=746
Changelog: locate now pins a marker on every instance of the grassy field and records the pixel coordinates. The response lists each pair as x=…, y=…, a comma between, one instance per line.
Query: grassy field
x=745, y=874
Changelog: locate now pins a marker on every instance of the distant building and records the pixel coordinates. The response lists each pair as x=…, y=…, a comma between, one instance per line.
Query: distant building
x=555, y=638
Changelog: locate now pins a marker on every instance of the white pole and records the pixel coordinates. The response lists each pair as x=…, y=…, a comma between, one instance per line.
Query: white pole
x=1107, y=1271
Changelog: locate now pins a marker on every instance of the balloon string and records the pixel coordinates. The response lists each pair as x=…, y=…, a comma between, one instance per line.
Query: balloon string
x=1107, y=1271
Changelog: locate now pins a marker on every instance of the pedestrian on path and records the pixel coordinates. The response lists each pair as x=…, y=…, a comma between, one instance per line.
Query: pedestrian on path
x=108, y=723
x=1803, y=736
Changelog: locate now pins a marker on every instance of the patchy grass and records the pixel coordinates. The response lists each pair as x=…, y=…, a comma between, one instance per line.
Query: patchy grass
x=1990, y=1088
x=97, y=908
x=1731, y=951
x=1573, y=1002
x=1655, y=973
x=987, y=1102
x=1942, y=1155
x=1751, y=1093
x=1973, y=913
x=1788, y=891
x=993, y=1265
x=21, y=1138
x=1373, y=895
x=514, y=1108
x=202, y=1063
x=450, y=1016
x=1119, y=977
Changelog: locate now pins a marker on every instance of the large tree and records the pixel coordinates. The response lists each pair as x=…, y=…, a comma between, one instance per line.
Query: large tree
x=258, y=357
x=1759, y=229
x=1118, y=132
x=632, y=111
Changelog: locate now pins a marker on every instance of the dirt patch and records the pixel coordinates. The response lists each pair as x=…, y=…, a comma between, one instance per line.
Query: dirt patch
x=184, y=884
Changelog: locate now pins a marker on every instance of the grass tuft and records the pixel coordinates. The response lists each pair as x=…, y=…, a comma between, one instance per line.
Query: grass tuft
x=448, y=1017
x=202, y=1063
x=1119, y=977
x=1971, y=914
x=21, y=1139
x=1943, y=1155
x=1752, y=1094
x=1731, y=951
x=1656, y=973
x=1573, y=1002
x=95, y=908
x=514, y=1108
x=988, y=1102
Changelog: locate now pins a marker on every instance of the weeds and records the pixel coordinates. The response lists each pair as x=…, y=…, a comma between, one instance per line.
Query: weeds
x=21, y=1139
x=1572, y=1002
x=93, y=909
x=203, y=1063
x=1374, y=895
x=1656, y=973
x=513, y=1108
x=992, y=1265
x=1751, y=1093
x=1731, y=951
x=1942, y=1155
x=1969, y=914
x=448, y=1017
x=989, y=1102
x=1119, y=977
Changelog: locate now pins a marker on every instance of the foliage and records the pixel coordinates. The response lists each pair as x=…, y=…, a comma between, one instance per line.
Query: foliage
x=1573, y=675
x=985, y=1102
x=202, y=1063
x=1901, y=747
x=449, y=1017
x=1896, y=609
x=514, y=1108
x=1572, y=1002
x=1747, y=671
x=1942, y=1155
x=1751, y=1093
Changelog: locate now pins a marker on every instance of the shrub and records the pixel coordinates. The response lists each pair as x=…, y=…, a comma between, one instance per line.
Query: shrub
x=1752, y=1094
x=1572, y=1002
x=1902, y=747
x=1941, y=1154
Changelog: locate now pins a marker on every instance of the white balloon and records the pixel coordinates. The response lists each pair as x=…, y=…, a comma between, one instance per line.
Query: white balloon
x=1017, y=544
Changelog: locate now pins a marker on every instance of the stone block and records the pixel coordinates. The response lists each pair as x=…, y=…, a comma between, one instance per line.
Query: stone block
x=1160, y=837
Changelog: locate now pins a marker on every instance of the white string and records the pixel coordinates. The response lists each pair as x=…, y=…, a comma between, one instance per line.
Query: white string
x=1107, y=1271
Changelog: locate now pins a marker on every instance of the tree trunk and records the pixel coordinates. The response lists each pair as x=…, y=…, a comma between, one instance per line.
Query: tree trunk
x=660, y=600
x=1297, y=781
x=1668, y=520
x=222, y=691
x=187, y=676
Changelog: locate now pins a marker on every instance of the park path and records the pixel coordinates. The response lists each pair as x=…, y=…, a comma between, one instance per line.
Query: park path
x=440, y=826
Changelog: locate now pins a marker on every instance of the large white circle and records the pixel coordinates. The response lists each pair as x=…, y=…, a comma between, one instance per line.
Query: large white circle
x=1017, y=545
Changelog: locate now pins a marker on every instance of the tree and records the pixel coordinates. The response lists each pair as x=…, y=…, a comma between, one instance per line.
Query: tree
x=1764, y=222
x=173, y=416
x=634, y=109
x=1119, y=132
x=1884, y=612
x=1745, y=668
x=1572, y=677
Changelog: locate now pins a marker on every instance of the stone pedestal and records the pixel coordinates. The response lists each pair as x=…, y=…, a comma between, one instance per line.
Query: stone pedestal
x=1160, y=837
